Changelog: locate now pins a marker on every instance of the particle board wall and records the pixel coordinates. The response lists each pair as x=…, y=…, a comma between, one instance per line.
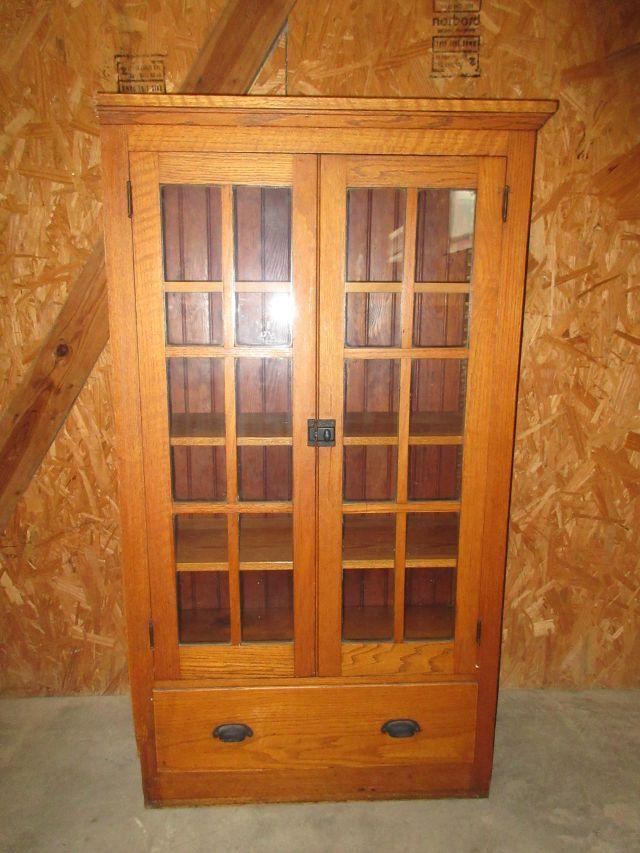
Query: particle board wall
x=571, y=613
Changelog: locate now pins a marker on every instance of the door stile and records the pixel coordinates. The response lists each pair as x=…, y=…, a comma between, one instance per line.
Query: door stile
x=304, y=286
x=478, y=421
x=147, y=241
x=330, y=405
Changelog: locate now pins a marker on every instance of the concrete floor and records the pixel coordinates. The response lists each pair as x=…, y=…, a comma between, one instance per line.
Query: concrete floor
x=567, y=778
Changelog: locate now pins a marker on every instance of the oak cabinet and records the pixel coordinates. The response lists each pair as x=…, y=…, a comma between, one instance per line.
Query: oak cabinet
x=315, y=310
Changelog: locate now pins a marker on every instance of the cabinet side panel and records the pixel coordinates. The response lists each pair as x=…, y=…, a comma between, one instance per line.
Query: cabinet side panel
x=126, y=399
x=506, y=362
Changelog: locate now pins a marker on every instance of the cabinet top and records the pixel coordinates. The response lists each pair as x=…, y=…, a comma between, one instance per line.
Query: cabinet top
x=427, y=113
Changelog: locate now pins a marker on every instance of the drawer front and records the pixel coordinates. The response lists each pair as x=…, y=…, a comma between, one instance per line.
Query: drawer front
x=307, y=727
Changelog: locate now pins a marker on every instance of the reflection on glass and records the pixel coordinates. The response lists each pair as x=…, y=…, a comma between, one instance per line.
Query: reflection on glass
x=375, y=234
x=372, y=320
x=435, y=472
x=191, y=232
x=369, y=473
x=263, y=319
x=429, y=604
x=203, y=607
x=266, y=601
x=262, y=231
x=194, y=318
x=367, y=599
x=446, y=221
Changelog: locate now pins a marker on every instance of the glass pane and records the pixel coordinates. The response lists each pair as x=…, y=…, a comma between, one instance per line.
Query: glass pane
x=444, y=247
x=266, y=541
x=264, y=473
x=196, y=410
x=375, y=234
x=429, y=604
x=203, y=607
x=367, y=599
x=199, y=473
x=373, y=320
x=370, y=473
x=191, y=232
x=368, y=540
x=201, y=540
x=441, y=320
x=263, y=319
x=263, y=397
x=438, y=389
x=266, y=606
x=435, y=472
x=371, y=397
x=262, y=233
x=432, y=536
x=194, y=318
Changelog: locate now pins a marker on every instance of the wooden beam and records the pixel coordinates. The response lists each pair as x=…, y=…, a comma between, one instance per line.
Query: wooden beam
x=237, y=48
x=231, y=58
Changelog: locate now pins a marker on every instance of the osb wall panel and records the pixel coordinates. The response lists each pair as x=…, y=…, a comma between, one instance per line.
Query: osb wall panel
x=573, y=578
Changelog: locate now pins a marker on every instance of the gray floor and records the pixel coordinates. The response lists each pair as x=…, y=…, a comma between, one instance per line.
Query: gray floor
x=567, y=777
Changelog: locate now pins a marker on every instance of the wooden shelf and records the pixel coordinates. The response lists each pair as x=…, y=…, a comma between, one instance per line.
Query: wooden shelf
x=432, y=540
x=266, y=542
x=368, y=542
x=267, y=625
x=436, y=423
x=367, y=623
x=429, y=622
x=204, y=625
x=263, y=426
x=201, y=543
x=208, y=428
x=199, y=428
x=371, y=425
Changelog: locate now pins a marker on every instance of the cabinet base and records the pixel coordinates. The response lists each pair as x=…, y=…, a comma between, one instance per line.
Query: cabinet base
x=319, y=785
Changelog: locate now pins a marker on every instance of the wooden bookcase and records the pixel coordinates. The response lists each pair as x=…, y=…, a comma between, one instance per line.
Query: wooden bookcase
x=334, y=607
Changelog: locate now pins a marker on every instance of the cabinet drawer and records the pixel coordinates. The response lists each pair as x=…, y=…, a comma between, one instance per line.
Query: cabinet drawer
x=308, y=727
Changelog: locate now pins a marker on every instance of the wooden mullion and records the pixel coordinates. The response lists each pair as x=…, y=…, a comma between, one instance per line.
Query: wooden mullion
x=404, y=407
x=192, y=286
x=228, y=314
x=206, y=351
x=404, y=352
x=373, y=287
x=442, y=287
x=226, y=508
x=263, y=286
x=372, y=507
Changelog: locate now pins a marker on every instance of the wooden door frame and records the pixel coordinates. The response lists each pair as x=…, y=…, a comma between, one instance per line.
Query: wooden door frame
x=338, y=172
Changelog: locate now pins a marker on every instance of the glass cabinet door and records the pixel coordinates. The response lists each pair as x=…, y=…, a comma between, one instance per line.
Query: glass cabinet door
x=409, y=255
x=225, y=284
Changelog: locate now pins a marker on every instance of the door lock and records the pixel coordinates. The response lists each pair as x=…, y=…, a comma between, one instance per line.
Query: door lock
x=321, y=433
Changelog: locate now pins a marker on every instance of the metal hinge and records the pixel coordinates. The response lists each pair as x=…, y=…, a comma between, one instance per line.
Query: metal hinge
x=478, y=632
x=321, y=433
x=505, y=202
x=151, y=633
x=129, y=200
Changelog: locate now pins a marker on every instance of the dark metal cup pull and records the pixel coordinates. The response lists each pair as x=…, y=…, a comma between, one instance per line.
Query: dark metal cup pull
x=400, y=728
x=232, y=732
